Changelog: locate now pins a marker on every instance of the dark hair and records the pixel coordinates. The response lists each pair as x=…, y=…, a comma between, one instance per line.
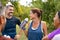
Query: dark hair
x=59, y=14
x=36, y=10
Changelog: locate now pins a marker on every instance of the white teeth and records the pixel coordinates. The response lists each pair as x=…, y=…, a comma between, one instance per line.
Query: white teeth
x=10, y=14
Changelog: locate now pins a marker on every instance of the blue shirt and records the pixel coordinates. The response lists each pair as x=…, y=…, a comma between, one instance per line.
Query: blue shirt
x=10, y=27
x=35, y=34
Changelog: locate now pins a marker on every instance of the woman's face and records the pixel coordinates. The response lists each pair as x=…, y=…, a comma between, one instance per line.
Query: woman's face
x=56, y=20
x=32, y=15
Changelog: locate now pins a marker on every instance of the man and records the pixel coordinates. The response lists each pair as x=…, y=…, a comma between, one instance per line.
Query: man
x=11, y=21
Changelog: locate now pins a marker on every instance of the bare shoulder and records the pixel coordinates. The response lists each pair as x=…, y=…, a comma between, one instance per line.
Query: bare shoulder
x=43, y=22
x=44, y=26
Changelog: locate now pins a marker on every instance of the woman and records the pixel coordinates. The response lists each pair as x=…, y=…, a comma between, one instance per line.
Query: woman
x=2, y=17
x=57, y=26
x=36, y=26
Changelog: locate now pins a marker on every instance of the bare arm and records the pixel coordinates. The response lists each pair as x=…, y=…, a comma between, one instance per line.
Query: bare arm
x=2, y=23
x=18, y=35
x=45, y=38
x=44, y=28
x=26, y=31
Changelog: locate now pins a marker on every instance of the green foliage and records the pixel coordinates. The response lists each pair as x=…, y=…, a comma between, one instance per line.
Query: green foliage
x=49, y=9
x=4, y=2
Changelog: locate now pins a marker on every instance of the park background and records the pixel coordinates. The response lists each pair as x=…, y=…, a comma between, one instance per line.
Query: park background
x=22, y=11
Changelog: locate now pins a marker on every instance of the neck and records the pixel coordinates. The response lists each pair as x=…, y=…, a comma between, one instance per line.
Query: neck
x=36, y=20
x=9, y=17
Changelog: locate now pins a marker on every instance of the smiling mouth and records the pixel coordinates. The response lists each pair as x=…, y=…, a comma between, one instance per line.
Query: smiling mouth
x=10, y=14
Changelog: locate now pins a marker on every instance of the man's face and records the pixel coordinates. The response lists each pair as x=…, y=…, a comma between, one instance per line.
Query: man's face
x=9, y=11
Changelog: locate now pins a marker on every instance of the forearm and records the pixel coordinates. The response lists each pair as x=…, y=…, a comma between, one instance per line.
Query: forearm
x=18, y=35
x=1, y=28
x=45, y=28
x=45, y=33
x=26, y=32
x=20, y=32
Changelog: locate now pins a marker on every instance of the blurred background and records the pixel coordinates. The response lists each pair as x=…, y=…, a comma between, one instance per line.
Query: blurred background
x=22, y=10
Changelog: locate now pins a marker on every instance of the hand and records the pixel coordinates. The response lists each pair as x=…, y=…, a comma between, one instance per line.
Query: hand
x=17, y=37
x=45, y=38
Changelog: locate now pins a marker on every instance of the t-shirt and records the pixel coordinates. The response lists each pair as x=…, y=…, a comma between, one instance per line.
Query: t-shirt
x=56, y=37
x=52, y=34
x=10, y=27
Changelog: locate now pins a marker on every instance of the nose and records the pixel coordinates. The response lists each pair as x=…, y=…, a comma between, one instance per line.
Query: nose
x=12, y=10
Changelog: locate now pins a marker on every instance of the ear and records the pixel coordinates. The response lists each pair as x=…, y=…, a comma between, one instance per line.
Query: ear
x=35, y=14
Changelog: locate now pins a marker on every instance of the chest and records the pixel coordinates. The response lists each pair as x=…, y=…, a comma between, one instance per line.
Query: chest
x=37, y=31
x=10, y=24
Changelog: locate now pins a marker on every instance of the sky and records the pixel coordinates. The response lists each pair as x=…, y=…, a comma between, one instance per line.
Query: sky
x=25, y=2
